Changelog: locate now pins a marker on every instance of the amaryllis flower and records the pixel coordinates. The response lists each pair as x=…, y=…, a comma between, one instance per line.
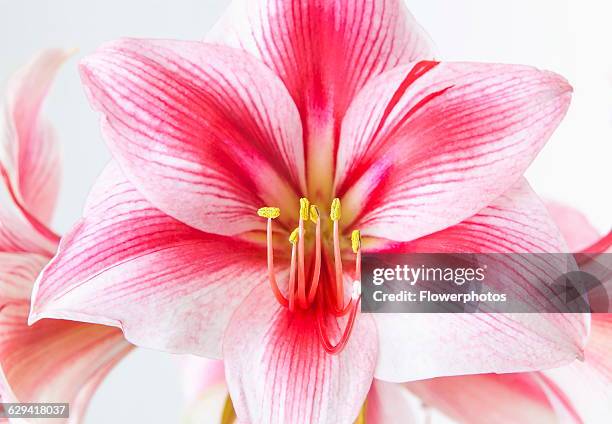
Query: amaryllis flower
x=221, y=148
x=53, y=360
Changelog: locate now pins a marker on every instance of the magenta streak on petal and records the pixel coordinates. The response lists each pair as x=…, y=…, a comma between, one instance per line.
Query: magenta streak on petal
x=367, y=165
x=417, y=71
x=600, y=245
x=560, y=396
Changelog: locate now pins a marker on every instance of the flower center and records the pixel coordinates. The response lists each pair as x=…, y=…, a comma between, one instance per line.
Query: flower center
x=303, y=294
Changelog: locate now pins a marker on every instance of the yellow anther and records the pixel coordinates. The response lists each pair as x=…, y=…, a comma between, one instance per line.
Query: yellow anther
x=293, y=237
x=314, y=213
x=355, y=240
x=268, y=212
x=304, y=208
x=335, y=210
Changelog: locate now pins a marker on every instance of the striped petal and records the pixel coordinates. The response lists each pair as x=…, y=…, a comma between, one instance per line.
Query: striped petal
x=278, y=372
x=207, y=133
x=129, y=265
x=487, y=398
x=324, y=51
x=199, y=374
x=575, y=227
x=565, y=385
x=587, y=385
x=29, y=159
x=53, y=360
x=206, y=391
x=427, y=145
x=391, y=403
x=453, y=344
x=207, y=395
x=210, y=408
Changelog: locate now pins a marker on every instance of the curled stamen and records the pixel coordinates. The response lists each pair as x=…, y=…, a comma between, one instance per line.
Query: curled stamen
x=304, y=215
x=272, y=213
x=293, y=240
x=315, y=217
x=356, y=245
x=347, y=308
x=335, y=216
x=325, y=341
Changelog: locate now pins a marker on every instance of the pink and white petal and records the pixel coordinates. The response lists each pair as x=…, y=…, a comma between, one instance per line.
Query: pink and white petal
x=207, y=133
x=277, y=370
x=19, y=230
x=455, y=344
x=54, y=360
x=166, y=285
x=210, y=407
x=324, y=52
x=594, y=372
x=392, y=403
x=487, y=398
x=33, y=151
x=427, y=145
x=516, y=221
x=17, y=274
x=575, y=227
x=596, y=260
x=29, y=160
x=206, y=392
x=198, y=374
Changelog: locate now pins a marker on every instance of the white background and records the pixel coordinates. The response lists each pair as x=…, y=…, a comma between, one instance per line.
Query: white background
x=567, y=36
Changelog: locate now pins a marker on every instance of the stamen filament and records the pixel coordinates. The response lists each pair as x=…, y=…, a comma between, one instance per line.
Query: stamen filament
x=338, y=268
x=304, y=215
x=301, y=270
x=316, y=274
x=292, y=278
x=342, y=312
x=338, y=347
x=356, y=245
x=271, y=276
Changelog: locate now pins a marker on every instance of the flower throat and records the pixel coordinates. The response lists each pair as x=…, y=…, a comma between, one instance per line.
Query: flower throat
x=304, y=295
